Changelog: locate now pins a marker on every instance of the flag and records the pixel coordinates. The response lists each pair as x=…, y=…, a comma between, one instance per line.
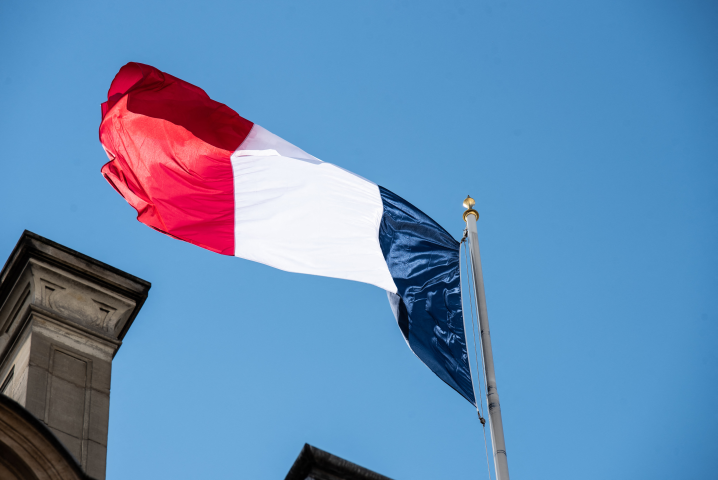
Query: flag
x=197, y=171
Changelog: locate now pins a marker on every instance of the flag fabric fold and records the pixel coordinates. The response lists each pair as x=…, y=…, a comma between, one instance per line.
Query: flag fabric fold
x=197, y=171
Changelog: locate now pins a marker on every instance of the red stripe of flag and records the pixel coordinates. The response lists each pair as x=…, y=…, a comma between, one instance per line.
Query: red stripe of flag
x=170, y=147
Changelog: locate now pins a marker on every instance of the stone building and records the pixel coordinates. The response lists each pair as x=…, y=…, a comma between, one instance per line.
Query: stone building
x=63, y=316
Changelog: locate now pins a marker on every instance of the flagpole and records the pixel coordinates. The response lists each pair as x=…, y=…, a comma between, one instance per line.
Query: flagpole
x=492, y=395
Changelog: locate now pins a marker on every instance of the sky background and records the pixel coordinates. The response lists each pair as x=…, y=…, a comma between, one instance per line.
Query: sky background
x=588, y=134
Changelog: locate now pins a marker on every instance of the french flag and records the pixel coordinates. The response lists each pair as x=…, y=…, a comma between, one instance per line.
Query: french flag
x=197, y=171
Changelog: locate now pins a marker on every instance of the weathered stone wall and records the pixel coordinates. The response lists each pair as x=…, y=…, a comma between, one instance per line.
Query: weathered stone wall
x=63, y=316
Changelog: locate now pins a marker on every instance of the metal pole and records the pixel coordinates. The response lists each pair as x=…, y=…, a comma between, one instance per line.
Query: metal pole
x=492, y=394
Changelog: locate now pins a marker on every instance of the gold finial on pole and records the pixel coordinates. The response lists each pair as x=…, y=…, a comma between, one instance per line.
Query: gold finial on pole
x=468, y=204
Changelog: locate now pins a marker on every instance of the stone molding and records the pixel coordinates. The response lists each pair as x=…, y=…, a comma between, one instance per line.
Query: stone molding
x=43, y=276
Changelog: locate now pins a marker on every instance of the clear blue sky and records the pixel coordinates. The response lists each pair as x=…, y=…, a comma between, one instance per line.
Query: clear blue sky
x=587, y=132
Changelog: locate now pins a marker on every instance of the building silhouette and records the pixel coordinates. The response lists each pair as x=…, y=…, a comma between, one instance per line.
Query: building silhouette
x=63, y=316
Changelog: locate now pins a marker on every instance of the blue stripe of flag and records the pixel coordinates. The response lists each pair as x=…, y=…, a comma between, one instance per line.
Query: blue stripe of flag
x=423, y=259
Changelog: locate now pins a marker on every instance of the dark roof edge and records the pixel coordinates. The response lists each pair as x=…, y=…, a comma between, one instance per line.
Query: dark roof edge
x=312, y=457
x=27, y=234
